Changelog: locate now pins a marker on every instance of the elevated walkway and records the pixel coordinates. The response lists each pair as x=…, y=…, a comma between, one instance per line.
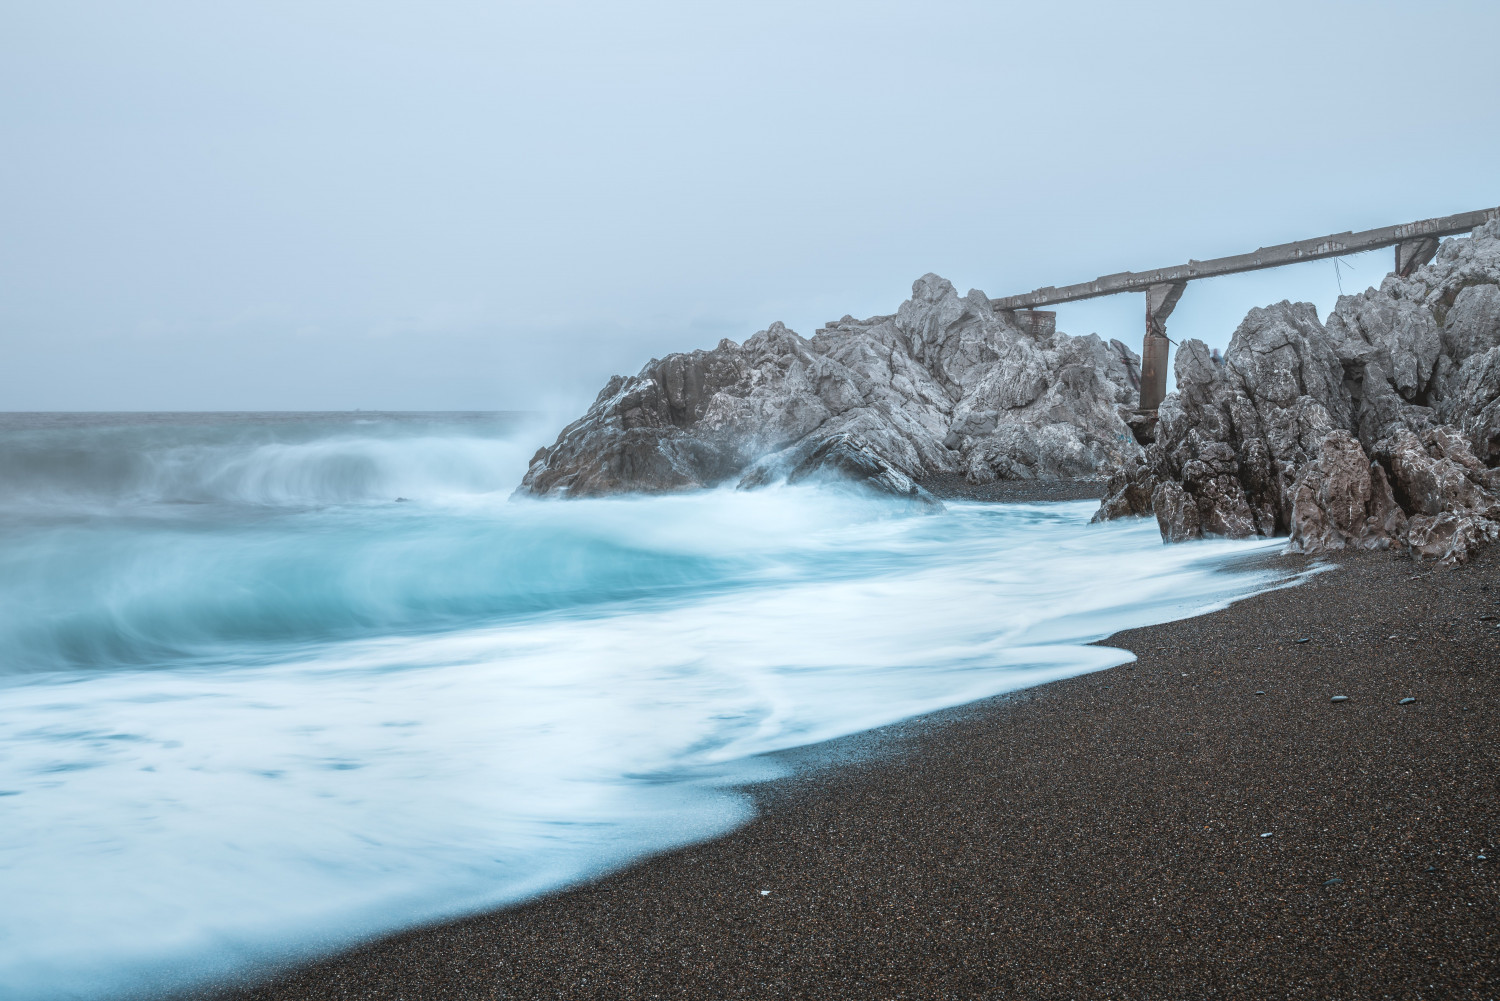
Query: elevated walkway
x=1415, y=243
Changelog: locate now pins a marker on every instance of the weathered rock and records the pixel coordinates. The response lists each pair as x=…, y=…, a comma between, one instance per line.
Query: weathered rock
x=1448, y=493
x=1229, y=442
x=1381, y=428
x=1341, y=499
x=946, y=385
x=1473, y=402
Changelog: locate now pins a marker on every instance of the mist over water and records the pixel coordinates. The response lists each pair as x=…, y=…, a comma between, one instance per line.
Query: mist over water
x=255, y=706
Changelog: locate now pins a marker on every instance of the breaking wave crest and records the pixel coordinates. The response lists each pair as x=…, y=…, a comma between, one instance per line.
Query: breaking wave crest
x=67, y=462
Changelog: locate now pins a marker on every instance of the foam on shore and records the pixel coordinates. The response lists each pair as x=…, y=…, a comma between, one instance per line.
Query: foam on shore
x=239, y=737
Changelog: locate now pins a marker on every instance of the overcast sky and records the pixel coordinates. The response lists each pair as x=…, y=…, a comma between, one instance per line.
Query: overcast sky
x=480, y=205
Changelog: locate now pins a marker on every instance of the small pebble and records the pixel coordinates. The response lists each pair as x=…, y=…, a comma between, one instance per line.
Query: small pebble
x=1332, y=881
x=1406, y=702
x=1266, y=835
x=765, y=893
x=1340, y=698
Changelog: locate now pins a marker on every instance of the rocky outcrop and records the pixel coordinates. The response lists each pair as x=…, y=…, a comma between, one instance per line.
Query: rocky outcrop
x=1380, y=428
x=947, y=385
x=1343, y=500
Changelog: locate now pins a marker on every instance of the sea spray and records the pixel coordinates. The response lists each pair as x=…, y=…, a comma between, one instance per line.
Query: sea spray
x=250, y=728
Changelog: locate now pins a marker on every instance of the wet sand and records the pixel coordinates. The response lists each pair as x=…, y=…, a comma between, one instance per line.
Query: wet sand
x=1203, y=823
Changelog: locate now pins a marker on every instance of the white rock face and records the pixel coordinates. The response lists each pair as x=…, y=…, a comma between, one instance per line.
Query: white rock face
x=946, y=387
x=1380, y=428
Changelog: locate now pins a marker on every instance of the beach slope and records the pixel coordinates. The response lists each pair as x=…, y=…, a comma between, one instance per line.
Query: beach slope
x=1205, y=822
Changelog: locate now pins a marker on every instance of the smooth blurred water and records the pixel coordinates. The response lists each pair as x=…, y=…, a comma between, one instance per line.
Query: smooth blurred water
x=253, y=707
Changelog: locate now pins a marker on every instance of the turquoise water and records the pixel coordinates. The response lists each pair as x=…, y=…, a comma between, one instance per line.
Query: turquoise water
x=255, y=707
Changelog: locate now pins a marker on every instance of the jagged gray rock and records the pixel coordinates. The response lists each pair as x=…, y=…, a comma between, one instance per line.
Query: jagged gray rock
x=1381, y=428
x=945, y=386
x=1343, y=500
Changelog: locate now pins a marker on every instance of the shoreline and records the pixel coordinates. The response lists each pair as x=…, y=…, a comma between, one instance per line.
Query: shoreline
x=1098, y=836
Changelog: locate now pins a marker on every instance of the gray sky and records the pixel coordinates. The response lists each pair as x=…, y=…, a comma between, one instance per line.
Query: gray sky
x=479, y=205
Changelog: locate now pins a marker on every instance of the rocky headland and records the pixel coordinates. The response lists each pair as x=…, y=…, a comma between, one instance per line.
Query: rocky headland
x=1378, y=428
x=947, y=388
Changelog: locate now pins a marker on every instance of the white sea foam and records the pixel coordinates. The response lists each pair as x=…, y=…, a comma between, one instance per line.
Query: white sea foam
x=230, y=743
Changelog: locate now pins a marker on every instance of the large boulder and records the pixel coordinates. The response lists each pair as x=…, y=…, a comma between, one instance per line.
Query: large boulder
x=1343, y=500
x=945, y=387
x=1380, y=428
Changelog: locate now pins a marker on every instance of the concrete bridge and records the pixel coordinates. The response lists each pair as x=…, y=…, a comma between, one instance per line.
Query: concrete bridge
x=1415, y=243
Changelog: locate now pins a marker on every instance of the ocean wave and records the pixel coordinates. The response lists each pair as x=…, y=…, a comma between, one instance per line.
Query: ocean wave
x=127, y=461
x=112, y=592
x=241, y=733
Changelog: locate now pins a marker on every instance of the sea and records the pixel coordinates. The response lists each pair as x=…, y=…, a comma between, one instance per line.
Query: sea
x=275, y=683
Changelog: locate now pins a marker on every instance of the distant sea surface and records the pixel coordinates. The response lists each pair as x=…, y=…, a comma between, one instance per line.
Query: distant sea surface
x=271, y=683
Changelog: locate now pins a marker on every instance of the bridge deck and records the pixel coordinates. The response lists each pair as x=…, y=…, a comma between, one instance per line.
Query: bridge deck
x=1266, y=257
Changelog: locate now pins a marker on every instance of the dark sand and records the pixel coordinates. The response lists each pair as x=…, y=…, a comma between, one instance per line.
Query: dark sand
x=1094, y=838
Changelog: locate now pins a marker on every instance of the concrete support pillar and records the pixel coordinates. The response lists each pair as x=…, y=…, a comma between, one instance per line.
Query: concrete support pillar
x=1412, y=254
x=1039, y=323
x=1161, y=299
